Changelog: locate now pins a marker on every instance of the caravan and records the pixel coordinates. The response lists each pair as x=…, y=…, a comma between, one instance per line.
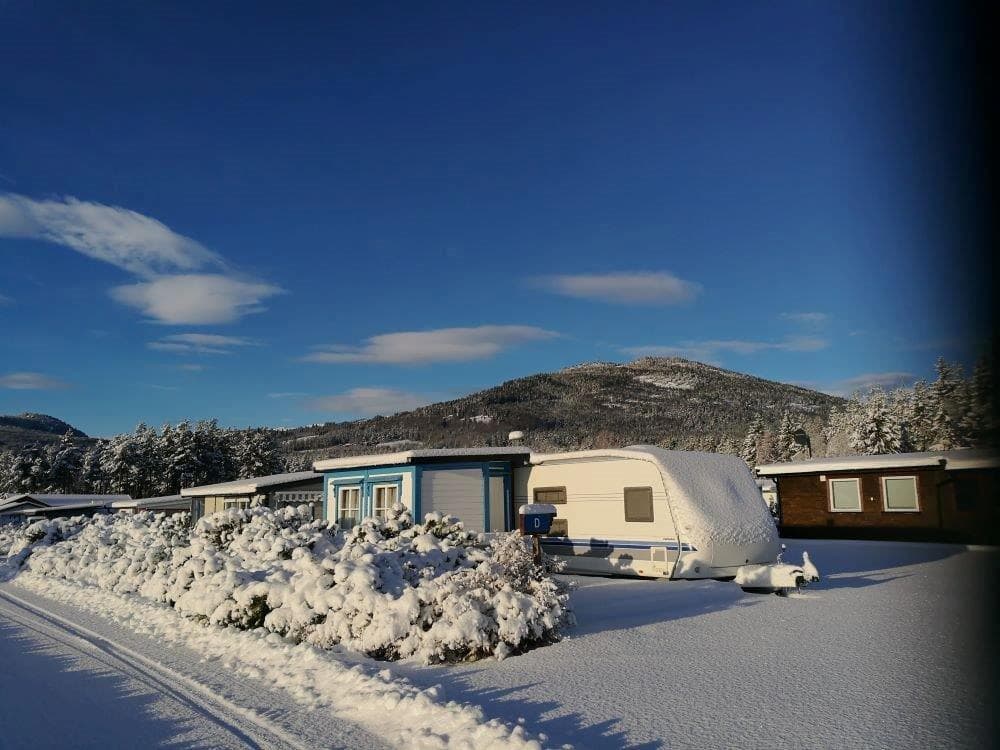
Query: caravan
x=650, y=512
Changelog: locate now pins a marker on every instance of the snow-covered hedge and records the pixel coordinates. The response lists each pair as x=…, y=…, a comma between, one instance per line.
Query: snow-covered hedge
x=391, y=589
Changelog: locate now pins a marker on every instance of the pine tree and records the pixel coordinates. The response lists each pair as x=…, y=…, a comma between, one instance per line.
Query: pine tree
x=748, y=450
x=786, y=446
x=65, y=459
x=876, y=429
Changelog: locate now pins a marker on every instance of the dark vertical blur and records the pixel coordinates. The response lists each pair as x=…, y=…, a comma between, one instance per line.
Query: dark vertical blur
x=979, y=64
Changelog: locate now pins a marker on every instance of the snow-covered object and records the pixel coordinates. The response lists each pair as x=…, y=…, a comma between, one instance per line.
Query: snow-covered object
x=388, y=588
x=779, y=576
x=713, y=498
x=537, y=508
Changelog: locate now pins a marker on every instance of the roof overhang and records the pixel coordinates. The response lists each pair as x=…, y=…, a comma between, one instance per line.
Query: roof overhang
x=427, y=455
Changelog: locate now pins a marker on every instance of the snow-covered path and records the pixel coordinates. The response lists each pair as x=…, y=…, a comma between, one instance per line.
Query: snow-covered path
x=65, y=684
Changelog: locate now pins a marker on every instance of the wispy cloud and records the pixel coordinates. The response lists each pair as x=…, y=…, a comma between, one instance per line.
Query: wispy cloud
x=195, y=299
x=191, y=367
x=369, y=402
x=5, y=300
x=621, y=288
x=129, y=240
x=30, y=381
x=287, y=394
x=709, y=350
x=157, y=387
x=423, y=347
x=868, y=380
x=200, y=343
x=182, y=281
x=806, y=318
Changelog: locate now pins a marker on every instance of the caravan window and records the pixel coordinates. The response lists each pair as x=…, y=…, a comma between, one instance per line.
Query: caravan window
x=639, y=504
x=550, y=495
x=845, y=495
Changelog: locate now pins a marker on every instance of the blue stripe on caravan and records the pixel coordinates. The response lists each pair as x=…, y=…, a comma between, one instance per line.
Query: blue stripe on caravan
x=624, y=543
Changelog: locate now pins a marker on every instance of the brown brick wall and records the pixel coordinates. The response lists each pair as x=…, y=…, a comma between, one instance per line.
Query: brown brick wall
x=805, y=507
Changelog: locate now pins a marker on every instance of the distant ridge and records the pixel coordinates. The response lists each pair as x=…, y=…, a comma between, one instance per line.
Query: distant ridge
x=668, y=401
x=27, y=428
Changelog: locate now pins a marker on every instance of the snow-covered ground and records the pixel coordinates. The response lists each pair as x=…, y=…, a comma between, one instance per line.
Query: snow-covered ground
x=889, y=650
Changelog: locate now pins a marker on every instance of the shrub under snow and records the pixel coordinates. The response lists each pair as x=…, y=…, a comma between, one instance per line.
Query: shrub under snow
x=390, y=589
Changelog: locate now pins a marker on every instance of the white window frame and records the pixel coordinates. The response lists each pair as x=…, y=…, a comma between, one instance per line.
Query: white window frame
x=235, y=503
x=916, y=495
x=829, y=491
x=383, y=512
x=341, y=492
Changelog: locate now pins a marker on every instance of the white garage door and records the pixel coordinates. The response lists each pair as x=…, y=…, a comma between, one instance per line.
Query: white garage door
x=456, y=492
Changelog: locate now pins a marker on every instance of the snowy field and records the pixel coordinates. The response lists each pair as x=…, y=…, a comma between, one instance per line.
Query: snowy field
x=887, y=651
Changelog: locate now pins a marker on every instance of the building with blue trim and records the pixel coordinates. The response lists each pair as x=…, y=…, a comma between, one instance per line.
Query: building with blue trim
x=473, y=484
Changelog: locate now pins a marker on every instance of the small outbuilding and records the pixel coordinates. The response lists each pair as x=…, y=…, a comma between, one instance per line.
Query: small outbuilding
x=16, y=508
x=272, y=491
x=168, y=504
x=473, y=484
x=946, y=496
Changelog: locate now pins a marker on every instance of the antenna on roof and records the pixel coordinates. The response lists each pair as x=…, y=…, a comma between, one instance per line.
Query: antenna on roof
x=515, y=437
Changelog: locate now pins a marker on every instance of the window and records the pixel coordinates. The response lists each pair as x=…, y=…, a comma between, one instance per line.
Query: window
x=550, y=495
x=348, y=506
x=900, y=494
x=385, y=495
x=845, y=495
x=639, y=504
x=237, y=503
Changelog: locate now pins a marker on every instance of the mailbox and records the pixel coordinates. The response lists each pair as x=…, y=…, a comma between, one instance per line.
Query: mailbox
x=535, y=519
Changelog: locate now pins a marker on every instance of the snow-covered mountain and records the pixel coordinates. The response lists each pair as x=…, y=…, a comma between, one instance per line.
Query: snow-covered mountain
x=667, y=401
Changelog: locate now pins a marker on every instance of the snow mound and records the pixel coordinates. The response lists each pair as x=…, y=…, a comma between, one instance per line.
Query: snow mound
x=389, y=588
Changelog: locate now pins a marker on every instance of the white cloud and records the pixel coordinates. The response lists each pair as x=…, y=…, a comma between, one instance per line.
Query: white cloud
x=129, y=240
x=195, y=299
x=287, y=394
x=806, y=318
x=710, y=349
x=30, y=381
x=868, y=380
x=5, y=300
x=191, y=367
x=440, y=345
x=200, y=343
x=623, y=288
x=369, y=402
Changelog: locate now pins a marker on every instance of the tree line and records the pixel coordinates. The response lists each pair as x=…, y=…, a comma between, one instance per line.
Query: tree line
x=143, y=463
x=953, y=411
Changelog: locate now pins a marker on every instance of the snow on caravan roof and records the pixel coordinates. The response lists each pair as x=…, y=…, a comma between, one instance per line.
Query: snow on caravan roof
x=713, y=497
x=408, y=457
x=249, y=485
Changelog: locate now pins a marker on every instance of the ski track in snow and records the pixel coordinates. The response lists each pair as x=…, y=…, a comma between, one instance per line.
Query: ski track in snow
x=233, y=725
x=283, y=695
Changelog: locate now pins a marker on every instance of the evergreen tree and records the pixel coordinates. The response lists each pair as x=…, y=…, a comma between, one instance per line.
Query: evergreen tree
x=875, y=428
x=748, y=450
x=65, y=459
x=786, y=447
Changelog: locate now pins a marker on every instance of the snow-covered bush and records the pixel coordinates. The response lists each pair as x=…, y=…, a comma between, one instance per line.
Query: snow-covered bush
x=389, y=588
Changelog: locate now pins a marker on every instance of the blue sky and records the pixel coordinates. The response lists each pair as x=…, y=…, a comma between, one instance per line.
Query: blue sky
x=281, y=216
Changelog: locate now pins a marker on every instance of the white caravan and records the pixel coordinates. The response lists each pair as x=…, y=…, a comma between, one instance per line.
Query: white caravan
x=646, y=511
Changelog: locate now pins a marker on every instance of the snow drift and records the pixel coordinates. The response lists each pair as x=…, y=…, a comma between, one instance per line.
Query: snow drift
x=391, y=589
